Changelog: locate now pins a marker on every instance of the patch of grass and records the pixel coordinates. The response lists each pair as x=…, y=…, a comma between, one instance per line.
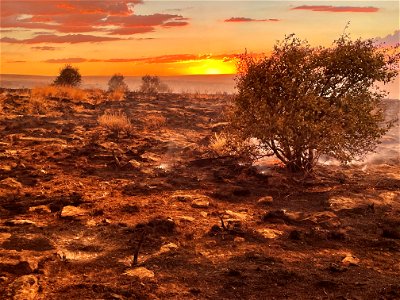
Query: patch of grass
x=53, y=91
x=154, y=121
x=116, y=122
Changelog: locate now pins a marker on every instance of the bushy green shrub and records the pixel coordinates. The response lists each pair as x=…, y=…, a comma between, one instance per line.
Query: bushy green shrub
x=302, y=102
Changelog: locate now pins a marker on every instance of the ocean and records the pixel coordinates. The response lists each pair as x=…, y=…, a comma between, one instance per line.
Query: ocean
x=178, y=84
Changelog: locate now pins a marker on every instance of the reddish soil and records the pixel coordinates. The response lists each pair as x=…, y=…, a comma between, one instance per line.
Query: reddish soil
x=335, y=235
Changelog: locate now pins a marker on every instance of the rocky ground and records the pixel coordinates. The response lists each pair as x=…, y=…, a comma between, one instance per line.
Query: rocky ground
x=87, y=214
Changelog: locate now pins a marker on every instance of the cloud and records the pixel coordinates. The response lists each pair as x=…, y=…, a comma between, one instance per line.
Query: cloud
x=44, y=48
x=175, y=24
x=66, y=60
x=83, y=17
x=51, y=8
x=243, y=20
x=51, y=38
x=390, y=39
x=338, y=9
x=164, y=59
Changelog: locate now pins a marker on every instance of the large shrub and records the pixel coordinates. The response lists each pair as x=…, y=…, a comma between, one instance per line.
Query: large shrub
x=301, y=102
x=69, y=76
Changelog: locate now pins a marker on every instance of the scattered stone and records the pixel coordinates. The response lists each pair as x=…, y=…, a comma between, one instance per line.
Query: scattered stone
x=267, y=200
x=232, y=214
x=72, y=212
x=3, y=279
x=350, y=260
x=24, y=288
x=22, y=222
x=10, y=183
x=134, y=163
x=91, y=223
x=239, y=239
x=4, y=236
x=200, y=203
x=186, y=218
x=277, y=216
x=17, y=266
x=203, y=214
x=167, y=248
x=34, y=243
x=140, y=272
x=41, y=209
x=270, y=233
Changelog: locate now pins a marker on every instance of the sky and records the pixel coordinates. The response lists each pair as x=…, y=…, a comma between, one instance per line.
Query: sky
x=165, y=38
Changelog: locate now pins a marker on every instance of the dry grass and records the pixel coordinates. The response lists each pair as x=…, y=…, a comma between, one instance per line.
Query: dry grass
x=38, y=106
x=219, y=144
x=116, y=95
x=154, y=121
x=117, y=122
x=65, y=92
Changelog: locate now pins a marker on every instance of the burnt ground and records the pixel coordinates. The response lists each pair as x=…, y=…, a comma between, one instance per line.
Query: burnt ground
x=76, y=201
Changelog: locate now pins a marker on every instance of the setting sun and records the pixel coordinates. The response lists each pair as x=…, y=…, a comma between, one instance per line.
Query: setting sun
x=212, y=67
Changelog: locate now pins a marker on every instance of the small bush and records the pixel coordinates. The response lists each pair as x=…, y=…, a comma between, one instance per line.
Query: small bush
x=117, y=122
x=219, y=144
x=152, y=85
x=154, y=121
x=68, y=76
x=117, y=83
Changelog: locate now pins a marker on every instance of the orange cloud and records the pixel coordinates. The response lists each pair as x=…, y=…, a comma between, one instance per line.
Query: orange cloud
x=51, y=38
x=164, y=59
x=243, y=20
x=105, y=17
x=44, y=48
x=329, y=8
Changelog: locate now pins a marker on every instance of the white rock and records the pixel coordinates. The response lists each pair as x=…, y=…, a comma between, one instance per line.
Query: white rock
x=72, y=211
x=140, y=272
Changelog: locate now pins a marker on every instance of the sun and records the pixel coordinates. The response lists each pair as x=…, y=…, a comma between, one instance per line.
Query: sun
x=212, y=67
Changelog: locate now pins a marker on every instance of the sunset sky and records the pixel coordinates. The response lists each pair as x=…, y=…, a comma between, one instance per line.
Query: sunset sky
x=173, y=37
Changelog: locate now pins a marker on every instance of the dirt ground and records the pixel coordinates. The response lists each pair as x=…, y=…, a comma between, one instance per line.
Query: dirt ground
x=77, y=202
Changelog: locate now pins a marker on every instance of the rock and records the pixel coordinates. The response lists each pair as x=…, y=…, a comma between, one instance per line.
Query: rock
x=31, y=242
x=3, y=279
x=350, y=260
x=270, y=233
x=41, y=209
x=72, y=212
x=140, y=272
x=186, y=219
x=10, y=183
x=24, y=288
x=200, y=203
x=203, y=214
x=236, y=215
x=4, y=236
x=22, y=222
x=19, y=266
x=134, y=163
x=238, y=239
x=167, y=248
x=267, y=200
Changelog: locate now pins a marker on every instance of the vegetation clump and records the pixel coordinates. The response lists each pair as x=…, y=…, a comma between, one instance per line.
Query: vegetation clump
x=116, y=122
x=152, y=85
x=69, y=76
x=302, y=102
x=117, y=83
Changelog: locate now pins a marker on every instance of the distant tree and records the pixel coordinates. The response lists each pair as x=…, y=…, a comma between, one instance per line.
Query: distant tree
x=302, y=102
x=153, y=85
x=68, y=76
x=117, y=83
